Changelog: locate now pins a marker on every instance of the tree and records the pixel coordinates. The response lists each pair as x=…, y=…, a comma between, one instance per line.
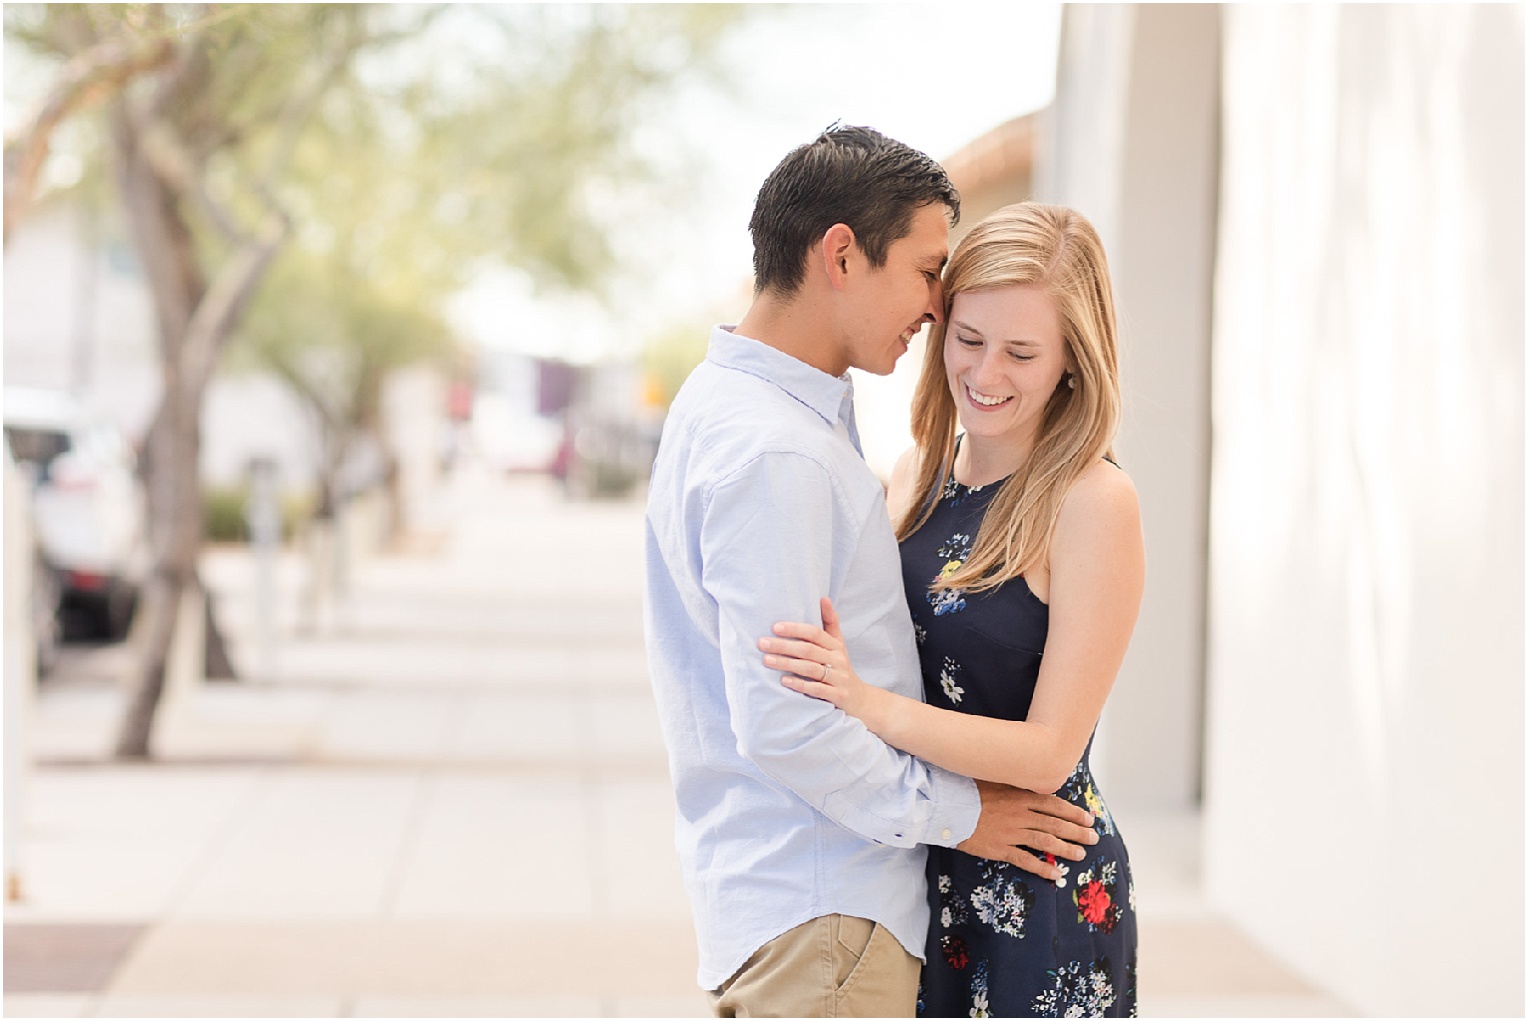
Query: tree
x=88, y=77
x=506, y=145
x=198, y=144
x=509, y=162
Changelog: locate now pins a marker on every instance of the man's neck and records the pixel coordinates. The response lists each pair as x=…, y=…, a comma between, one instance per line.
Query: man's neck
x=796, y=326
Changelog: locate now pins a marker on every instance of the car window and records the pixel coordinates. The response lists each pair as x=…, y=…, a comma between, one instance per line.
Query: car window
x=37, y=446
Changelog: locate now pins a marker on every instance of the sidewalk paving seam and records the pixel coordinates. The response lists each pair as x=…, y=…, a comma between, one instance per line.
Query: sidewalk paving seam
x=408, y=846
x=222, y=837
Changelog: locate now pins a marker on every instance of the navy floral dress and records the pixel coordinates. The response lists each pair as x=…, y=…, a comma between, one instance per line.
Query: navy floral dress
x=1004, y=942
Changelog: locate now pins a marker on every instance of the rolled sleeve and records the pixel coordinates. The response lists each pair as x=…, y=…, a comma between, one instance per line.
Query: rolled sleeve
x=768, y=543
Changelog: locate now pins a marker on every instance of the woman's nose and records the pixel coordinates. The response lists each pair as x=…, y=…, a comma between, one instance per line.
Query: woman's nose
x=988, y=369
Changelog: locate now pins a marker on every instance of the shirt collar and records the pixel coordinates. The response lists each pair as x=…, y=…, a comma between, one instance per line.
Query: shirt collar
x=819, y=391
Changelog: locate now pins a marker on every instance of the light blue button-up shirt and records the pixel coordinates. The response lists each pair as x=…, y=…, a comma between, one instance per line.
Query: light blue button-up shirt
x=760, y=504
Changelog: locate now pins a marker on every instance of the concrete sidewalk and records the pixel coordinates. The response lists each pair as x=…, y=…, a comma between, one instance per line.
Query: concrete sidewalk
x=454, y=802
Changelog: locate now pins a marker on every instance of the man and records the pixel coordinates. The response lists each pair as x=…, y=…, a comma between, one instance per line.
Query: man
x=800, y=833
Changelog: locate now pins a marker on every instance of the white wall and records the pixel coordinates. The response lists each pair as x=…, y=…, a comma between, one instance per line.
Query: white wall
x=1132, y=146
x=248, y=415
x=1364, y=813
x=77, y=316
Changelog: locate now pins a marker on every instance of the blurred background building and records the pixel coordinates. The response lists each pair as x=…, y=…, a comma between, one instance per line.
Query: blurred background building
x=1314, y=216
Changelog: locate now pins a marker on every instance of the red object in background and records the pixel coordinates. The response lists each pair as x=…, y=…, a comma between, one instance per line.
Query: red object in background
x=85, y=581
x=459, y=400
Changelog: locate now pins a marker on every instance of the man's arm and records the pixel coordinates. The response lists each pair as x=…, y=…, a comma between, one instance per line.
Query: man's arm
x=768, y=541
x=768, y=548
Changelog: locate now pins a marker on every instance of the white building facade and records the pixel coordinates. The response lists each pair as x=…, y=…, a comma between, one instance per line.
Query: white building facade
x=1315, y=220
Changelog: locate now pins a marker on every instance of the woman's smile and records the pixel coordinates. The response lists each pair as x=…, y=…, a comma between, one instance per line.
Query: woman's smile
x=985, y=402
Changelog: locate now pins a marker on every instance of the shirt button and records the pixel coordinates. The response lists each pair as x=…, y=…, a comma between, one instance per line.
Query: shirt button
x=944, y=834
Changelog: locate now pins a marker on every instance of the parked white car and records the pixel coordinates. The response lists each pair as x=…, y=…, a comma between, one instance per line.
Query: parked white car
x=88, y=506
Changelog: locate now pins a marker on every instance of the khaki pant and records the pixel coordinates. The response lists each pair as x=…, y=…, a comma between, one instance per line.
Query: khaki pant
x=834, y=966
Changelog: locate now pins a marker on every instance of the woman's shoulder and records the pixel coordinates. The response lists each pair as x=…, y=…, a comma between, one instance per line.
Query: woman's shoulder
x=1102, y=496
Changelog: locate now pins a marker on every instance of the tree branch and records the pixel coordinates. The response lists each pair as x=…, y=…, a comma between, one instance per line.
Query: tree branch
x=283, y=367
x=300, y=105
x=89, y=77
x=172, y=164
x=225, y=300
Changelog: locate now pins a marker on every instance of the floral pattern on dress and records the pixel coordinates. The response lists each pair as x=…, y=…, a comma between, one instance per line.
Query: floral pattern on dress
x=1061, y=867
x=955, y=493
x=1079, y=990
x=952, y=910
x=954, y=950
x=997, y=947
x=954, y=552
x=979, y=1005
x=947, y=678
x=1002, y=901
x=1097, y=897
x=1080, y=788
x=947, y=600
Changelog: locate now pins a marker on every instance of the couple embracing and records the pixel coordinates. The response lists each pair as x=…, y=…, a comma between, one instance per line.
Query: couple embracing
x=878, y=704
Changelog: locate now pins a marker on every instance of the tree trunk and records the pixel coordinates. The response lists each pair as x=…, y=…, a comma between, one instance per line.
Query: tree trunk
x=153, y=631
x=195, y=318
x=164, y=244
x=172, y=478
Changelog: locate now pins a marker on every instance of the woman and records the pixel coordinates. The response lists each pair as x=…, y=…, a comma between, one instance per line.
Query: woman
x=1023, y=561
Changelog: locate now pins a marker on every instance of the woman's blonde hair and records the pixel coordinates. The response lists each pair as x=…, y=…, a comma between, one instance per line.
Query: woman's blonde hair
x=1055, y=248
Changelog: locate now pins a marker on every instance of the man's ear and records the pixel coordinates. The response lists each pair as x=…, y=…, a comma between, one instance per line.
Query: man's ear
x=838, y=248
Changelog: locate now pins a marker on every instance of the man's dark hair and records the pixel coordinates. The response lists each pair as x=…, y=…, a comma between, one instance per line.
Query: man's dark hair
x=849, y=175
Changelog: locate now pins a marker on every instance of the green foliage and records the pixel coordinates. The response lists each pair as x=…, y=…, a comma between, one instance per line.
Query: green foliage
x=535, y=151
x=670, y=356
x=333, y=332
x=482, y=134
x=444, y=137
x=223, y=510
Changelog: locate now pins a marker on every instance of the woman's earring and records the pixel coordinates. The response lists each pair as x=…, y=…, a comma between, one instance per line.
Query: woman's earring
x=1071, y=380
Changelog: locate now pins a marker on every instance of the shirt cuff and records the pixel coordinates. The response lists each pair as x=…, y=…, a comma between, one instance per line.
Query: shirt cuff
x=957, y=806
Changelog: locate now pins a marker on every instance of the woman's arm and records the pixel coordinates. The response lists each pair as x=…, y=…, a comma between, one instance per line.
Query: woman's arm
x=1097, y=567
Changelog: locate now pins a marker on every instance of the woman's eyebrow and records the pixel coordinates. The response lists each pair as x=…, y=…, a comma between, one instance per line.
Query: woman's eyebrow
x=966, y=327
